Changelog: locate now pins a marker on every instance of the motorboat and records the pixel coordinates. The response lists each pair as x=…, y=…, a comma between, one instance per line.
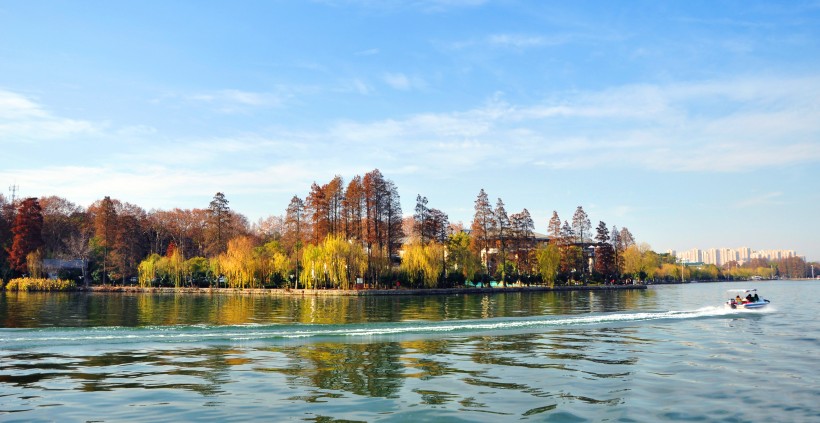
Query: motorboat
x=745, y=298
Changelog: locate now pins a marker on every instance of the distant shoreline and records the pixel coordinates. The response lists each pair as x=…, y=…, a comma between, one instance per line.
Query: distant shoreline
x=353, y=292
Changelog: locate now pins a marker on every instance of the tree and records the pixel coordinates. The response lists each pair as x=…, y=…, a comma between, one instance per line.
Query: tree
x=461, y=258
x=522, y=229
x=62, y=220
x=604, y=253
x=6, y=238
x=626, y=238
x=548, y=258
x=482, y=227
x=130, y=243
x=294, y=223
x=420, y=219
x=383, y=222
x=615, y=241
x=334, y=198
x=353, y=206
x=554, y=226
x=219, y=217
x=105, y=231
x=420, y=261
x=27, y=234
x=581, y=224
x=502, y=226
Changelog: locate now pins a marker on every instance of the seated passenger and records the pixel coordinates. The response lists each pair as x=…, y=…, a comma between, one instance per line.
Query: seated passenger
x=738, y=300
x=756, y=298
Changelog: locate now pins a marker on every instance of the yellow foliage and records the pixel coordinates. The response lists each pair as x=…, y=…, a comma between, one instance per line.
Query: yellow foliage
x=423, y=262
x=40, y=284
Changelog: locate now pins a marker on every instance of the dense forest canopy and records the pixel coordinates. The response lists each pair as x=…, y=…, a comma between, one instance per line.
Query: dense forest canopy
x=340, y=235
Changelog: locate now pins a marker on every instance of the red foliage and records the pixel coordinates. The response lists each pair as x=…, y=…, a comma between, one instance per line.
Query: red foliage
x=27, y=231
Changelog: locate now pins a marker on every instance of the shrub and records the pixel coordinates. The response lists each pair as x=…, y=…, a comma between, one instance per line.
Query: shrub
x=40, y=284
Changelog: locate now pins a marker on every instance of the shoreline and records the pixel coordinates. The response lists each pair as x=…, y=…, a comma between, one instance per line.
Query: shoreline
x=281, y=292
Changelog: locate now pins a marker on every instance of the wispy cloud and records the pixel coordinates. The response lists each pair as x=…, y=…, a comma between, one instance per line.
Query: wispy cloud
x=522, y=40
x=237, y=101
x=402, y=82
x=763, y=199
x=22, y=119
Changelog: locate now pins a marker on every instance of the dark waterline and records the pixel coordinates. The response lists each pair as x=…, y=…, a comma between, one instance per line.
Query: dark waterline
x=667, y=353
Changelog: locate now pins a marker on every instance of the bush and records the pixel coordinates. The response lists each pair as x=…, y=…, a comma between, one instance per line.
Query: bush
x=40, y=284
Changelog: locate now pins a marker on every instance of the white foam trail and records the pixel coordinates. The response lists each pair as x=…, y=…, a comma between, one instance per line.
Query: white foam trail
x=195, y=333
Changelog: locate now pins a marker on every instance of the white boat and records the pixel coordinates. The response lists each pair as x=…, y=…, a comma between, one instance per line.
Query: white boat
x=745, y=298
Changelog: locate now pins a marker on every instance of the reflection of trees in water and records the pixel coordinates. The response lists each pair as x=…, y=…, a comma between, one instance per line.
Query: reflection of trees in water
x=372, y=370
x=206, y=368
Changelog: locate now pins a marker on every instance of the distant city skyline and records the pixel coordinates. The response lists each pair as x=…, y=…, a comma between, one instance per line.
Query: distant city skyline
x=690, y=123
x=721, y=256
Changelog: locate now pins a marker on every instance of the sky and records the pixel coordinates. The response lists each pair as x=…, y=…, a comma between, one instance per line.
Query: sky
x=695, y=124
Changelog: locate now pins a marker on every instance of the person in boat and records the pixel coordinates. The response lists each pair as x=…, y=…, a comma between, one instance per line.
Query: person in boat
x=755, y=298
x=738, y=300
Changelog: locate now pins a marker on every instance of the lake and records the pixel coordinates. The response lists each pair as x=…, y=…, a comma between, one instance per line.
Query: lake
x=668, y=353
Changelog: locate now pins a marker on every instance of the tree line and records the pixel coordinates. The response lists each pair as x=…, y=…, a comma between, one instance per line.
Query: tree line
x=340, y=235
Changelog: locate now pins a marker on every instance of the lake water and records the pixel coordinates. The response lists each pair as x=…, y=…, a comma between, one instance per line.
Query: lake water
x=669, y=353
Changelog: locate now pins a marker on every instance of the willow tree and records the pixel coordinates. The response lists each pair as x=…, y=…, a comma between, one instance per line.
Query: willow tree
x=548, y=258
x=238, y=263
x=335, y=262
x=422, y=263
x=460, y=257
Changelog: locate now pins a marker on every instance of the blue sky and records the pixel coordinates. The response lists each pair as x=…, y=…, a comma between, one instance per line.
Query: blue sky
x=694, y=124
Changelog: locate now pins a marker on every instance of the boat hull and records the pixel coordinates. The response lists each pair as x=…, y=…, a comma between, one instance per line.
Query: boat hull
x=751, y=306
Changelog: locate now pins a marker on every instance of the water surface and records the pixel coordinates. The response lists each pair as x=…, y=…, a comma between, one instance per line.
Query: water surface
x=666, y=353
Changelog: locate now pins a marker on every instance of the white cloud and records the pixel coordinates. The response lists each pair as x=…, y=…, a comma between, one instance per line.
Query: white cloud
x=24, y=120
x=237, y=101
x=402, y=82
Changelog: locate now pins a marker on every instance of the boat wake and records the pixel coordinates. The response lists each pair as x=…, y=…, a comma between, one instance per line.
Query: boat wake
x=27, y=338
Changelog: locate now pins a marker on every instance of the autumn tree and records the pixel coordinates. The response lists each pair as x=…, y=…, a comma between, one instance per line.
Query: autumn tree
x=334, y=193
x=482, y=227
x=105, y=231
x=62, y=220
x=130, y=243
x=27, y=234
x=554, y=226
x=383, y=221
x=581, y=224
x=353, y=209
x=6, y=238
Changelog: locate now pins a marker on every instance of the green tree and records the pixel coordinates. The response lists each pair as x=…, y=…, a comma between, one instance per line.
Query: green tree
x=502, y=232
x=219, y=217
x=460, y=256
x=548, y=258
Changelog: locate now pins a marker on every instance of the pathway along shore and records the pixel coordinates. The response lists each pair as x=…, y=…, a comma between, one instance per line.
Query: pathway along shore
x=361, y=292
